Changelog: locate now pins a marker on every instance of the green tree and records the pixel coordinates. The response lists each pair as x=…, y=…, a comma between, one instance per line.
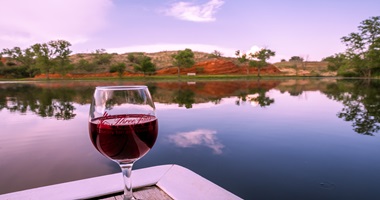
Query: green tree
x=119, y=68
x=335, y=61
x=61, y=52
x=1, y=60
x=296, y=59
x=183, y=59
x=144, y=64
x=44, y=58
x=131, y=57
x=86, y=65
x=24, y=57
x=242, y=58
x=262, y=56
x=363, y=47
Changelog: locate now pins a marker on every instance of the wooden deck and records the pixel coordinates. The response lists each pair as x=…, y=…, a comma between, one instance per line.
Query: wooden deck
x=147, y=193
x=164, y=182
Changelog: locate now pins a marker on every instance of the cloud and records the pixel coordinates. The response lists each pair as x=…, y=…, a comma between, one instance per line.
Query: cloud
x=27, y=22
x=253, y=49
x=200, y=137
x=197, y=13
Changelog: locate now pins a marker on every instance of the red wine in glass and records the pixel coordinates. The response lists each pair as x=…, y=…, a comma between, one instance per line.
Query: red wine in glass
x=124, y=137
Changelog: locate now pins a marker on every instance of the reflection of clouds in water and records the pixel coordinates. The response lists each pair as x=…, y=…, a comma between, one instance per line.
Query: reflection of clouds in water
x=198, y=137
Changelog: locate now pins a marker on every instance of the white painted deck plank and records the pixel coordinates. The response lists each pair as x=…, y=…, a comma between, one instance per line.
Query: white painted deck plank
x=145, y=193
x=92, y=187
x=181, y=183
x=175, y=181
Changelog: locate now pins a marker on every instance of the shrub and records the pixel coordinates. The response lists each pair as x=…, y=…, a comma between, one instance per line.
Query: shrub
x=346, y=71
x=86, y=65
x=119, y=68
x=10, y=63
x=331, y=67
x=14, y=72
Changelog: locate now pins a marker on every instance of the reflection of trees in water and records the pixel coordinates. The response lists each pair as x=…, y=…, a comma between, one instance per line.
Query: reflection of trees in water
x=256, y=96
x=45, y=102
x=184, y=97
x=361, y=101
x=57, y=99
x=64, y=110
x=206, y=91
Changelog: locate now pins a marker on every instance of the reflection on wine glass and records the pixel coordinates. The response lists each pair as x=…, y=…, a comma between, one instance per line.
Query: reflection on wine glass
x=123, y=126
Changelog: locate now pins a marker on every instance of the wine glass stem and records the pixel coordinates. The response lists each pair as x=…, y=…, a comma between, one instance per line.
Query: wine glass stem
x=126, y=168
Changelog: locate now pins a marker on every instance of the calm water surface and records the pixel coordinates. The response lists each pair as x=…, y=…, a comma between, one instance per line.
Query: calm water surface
x=268, y=139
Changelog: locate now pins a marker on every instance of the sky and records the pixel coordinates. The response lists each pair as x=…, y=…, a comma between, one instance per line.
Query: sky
x=310, y=29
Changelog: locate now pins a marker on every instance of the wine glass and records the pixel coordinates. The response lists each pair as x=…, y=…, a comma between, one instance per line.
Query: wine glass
x=123, y=126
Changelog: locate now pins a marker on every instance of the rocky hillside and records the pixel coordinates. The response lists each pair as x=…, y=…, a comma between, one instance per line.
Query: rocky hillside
x=161, y=59
x=205, y=64
x=209, y=64
x=220, y=66
x=308, y=68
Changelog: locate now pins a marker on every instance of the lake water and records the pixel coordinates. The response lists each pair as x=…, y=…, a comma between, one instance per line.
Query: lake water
x=267, y=139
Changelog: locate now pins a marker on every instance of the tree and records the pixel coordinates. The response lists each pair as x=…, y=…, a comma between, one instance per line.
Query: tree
x=53, y=54
x=144, y=64
x=119, y=68
x=295, y=58
x=131, y=57
x=24, y=57
x=262, y=56
x=86, y=65
x=44, y=58
x=183, y=59
x=216, y=54
x=363, y=47
x=305, y=59
x=61, y=52
x=335, y=61
x=1, y=59
x=242, y=58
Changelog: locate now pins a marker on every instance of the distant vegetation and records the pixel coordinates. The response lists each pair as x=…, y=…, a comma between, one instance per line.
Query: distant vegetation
x=183, y=59
x=361, y=58
x=257, y=59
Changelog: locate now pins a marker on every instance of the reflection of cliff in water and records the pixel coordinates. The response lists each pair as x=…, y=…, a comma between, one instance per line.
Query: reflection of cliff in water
x=360, y=98
x=210, y=91
x=56, y=99
x=296, y=87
